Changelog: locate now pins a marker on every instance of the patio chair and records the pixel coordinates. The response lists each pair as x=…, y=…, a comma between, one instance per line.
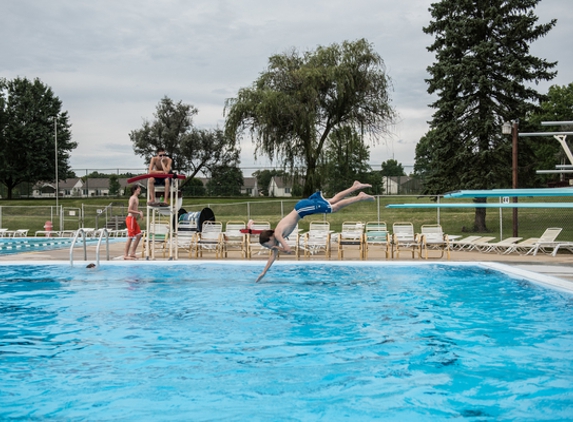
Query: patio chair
x=351, y=236
x=233, y=239
x=252, y=242
x=522, y=247
x=546, y=242
x=502, y=245
x=157, y=238
x=186, y=238
x=434, y=238
x=376, y=235
x=405, y=239
x=481, y=244
x=464, y=243
x=317, y=239
x=209, y=239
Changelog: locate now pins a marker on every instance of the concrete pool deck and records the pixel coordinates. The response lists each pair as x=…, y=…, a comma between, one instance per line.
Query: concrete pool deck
x=560, y=266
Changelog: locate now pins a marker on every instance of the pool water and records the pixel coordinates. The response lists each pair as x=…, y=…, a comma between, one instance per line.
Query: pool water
x=202, y=341
x=38, y=244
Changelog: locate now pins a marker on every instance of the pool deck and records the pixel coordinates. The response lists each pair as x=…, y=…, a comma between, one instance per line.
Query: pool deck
x=560, y=266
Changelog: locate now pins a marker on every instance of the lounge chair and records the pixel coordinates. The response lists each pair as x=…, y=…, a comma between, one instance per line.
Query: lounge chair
x=502, y=245
x=317, y=239
x=464, y=243
x=234, y=239
x=252, y=244
x=481, y=244
x=404, y=239
x=433, y=237
x=351, y=235
x=376, y=236
x=209, y=239
x=534, y=244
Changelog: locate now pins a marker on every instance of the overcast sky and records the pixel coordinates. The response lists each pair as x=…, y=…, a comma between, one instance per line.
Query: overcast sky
x=111, y=61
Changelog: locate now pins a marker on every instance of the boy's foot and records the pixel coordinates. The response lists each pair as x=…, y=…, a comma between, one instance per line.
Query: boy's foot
x=133, y=257
x=357, y=185
x=128, y=258
x=365, y=197
x=153, y=204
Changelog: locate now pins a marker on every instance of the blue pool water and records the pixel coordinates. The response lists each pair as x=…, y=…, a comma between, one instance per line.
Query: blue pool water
x=202, y=341
x=38, y=244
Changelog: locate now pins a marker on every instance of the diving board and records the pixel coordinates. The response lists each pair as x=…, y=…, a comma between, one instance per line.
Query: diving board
x=488, y=205
x=496, y=193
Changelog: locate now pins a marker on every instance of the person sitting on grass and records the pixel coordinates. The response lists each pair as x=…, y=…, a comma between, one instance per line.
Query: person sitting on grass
x=315, y=204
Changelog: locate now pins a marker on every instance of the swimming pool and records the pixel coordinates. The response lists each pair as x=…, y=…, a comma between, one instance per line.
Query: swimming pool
x=315, y=341
x=14, y=245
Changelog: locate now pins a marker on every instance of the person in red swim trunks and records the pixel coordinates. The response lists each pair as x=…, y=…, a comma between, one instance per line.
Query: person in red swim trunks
x=133, y=230
x=315, y=204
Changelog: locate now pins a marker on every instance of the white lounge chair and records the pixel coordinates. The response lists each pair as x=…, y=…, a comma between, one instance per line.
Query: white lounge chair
x=434, y=238
x=502, y=245
x=209, y=239
x=376, y=235
x=351, y=235
x=464, y=243
x=317, y=239
x=405, y=239
x=233, y=239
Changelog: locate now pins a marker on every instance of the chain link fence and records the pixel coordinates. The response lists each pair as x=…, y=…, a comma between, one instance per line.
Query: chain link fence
x=459, y=221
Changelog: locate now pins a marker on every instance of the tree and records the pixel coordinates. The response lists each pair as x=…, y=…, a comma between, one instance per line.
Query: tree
x=264, y=178
x=30, y=115
x=346, y=160
x=114, y=186
x=294, y=105
x=194, y=187
x=481, y=79
x=192, y=150
x=225, y=181
x=392, y=168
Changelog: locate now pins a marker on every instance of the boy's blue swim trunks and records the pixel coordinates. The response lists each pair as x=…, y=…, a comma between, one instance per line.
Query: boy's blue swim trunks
x=314, y=204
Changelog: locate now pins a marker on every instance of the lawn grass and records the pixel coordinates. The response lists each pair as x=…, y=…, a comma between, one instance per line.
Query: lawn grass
x=32, y=214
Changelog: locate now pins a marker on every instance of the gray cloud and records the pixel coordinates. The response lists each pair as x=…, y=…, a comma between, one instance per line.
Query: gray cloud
x=111, y=62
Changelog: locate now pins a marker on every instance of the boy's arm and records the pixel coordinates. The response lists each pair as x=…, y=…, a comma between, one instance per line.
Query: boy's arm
x=284, y=247
x=272, y=258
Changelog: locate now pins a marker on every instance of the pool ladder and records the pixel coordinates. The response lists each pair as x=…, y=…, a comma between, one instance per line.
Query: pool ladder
x=83, y=234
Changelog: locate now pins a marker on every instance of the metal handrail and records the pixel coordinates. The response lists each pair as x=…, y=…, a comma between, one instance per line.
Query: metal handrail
x=106, y=232
x=83, y=233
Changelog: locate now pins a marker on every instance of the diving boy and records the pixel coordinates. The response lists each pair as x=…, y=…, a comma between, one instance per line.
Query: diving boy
x=315, y=204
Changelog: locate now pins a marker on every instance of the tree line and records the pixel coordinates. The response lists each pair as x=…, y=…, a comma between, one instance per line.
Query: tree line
x=316, y=114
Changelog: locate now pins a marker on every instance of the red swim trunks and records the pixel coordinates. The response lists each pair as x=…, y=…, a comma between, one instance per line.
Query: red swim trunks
x=132, y=226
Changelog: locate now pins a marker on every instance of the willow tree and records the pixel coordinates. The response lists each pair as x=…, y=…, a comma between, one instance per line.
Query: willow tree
x=482, y=76
x=295, y=104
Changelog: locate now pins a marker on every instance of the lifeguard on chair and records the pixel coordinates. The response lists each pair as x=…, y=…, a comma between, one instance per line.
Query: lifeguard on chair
x=160, y=164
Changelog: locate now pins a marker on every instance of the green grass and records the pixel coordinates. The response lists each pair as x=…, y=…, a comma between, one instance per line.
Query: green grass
x=32, y=214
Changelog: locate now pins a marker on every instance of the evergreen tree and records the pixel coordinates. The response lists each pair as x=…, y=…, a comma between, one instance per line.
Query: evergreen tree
x=481, y=78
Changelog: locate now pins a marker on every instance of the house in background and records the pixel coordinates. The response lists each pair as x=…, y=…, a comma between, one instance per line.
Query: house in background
x=281, y=187
x=250, y=186
x=76, y=187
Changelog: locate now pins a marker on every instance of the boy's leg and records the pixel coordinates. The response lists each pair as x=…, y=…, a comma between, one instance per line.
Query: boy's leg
x=135, y=244
x=341, y=195
x=151, y=189
x=345, y=202
x=127, y=245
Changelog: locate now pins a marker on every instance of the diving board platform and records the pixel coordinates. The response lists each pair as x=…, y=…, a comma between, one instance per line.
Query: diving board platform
x=497, y=193
x=487, y=205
